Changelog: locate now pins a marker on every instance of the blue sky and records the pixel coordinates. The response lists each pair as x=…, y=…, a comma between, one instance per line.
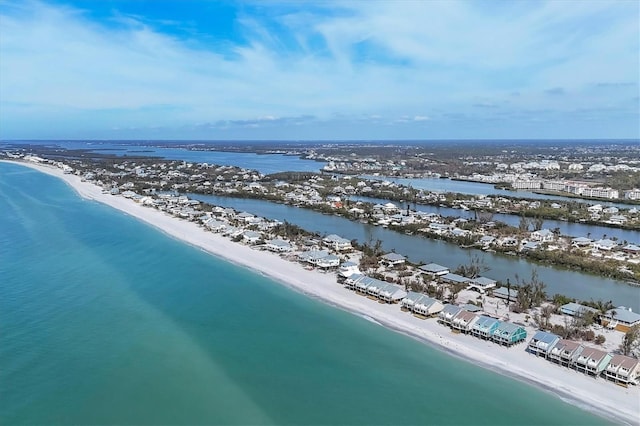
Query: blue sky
x=295, y=70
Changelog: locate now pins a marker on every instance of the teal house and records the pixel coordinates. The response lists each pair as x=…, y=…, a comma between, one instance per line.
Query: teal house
x=509, y=334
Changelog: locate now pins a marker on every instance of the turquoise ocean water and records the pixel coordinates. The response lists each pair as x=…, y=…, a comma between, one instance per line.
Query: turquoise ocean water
x=105, y=320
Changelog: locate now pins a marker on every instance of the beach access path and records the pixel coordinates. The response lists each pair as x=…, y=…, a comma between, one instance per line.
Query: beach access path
x=596, y=395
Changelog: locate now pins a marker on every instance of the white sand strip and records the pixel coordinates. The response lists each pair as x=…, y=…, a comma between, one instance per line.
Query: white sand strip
x=597, y=395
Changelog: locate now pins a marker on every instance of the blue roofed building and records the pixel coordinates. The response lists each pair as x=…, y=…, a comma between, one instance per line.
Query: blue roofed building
x=542, y=343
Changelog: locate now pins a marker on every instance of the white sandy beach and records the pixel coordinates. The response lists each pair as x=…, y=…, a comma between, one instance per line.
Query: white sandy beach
x=597, y=395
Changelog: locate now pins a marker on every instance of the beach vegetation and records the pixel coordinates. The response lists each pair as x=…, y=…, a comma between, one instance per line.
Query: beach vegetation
x=631, y=341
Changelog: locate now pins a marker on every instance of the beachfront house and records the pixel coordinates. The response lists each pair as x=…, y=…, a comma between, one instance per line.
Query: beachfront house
x=278, y=246
x=623, y=369
x=251, y=237
x=327, y=262
x=565, y=352
x=464, y=321
x=542, y=343
x=337, y=243
x=581, y=242
x=448, y=313
x=393, y=259
x=427, y=306
x=347, y=269
x=392, y=293
x=434, y=270
x=592, y=361
x=484, y=327
x=410, y=300
x=509, y=334
x=620, y=318
x=215, y=225
x=481, y=284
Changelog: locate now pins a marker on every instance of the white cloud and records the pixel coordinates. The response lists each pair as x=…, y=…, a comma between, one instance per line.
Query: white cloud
x=431, y=60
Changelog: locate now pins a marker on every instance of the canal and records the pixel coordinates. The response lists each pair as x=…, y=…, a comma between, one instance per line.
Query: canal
x=422, y=250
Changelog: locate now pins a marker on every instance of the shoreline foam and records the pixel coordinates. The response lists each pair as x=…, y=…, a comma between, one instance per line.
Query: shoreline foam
x=593, y=395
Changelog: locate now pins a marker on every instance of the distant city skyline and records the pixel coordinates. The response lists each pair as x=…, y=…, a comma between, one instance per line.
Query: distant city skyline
x=199, y=70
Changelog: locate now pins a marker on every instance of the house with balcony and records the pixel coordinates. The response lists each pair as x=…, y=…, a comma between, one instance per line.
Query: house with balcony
x=278, y=246
x=542, y=343
x=620, y=318
x=463, y=321
x=448, y=313
x=337, y=243
x=427, y=306
x=509, y=334
x=393, y=259
x=543, y=236
x=565, y=352
x=592, y=361
x=392, y=293
x=623, y=369
x=484, y=327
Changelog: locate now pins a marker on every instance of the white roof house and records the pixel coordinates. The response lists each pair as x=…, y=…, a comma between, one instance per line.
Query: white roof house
x=337, y=243
x=279, y=246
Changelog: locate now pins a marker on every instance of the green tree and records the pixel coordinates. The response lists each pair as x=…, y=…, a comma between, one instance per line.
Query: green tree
x=630, y=341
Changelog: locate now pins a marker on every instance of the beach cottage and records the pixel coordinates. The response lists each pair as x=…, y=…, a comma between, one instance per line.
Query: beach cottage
x=393, y=259
x=484, y=327
x=392, y=293
x=542, y=343
x=623, y=369
x=427, y=306
x=278, y=246
x=337, y=243
x=592, y=361
x=464, y=321
x=448, y=313
x=410, y=300
x=565, y=352
x=509, y=334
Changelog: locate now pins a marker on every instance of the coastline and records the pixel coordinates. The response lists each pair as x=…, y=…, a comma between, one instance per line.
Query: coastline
x=603, y=399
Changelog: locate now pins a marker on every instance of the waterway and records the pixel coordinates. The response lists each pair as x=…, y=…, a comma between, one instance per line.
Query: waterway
x=423, y=250
x=479, y=188
x=566, y=228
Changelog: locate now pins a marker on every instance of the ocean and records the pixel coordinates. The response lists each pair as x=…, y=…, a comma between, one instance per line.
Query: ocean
x=106, y=320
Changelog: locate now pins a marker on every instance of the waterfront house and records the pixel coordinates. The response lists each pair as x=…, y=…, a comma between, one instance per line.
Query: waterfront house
x=279, y=246
x=312, y=256
x=393, y=259
x=347, y=269
x=503, y=293
x=427, y=306
x=542, y=343
x=623, y=369
x=565, y=352
x=434, y=269
x=581, y=242
x=605, y=244
x=392, y=293
x=215, y=225
x=484, y=327
x=448, y=313
x=543, y=236
x=620, y=318
x=329, y=261
x=451, y=278
x=463, y=321
x=410, y=300
x=592, y=361
x=251, y=237
x=351, y=281
x=509, y=334
x=572, y=309
x=337, y=243
x=481, y=284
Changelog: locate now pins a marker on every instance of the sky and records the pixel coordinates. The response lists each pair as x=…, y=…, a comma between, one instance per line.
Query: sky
x=325, y=70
